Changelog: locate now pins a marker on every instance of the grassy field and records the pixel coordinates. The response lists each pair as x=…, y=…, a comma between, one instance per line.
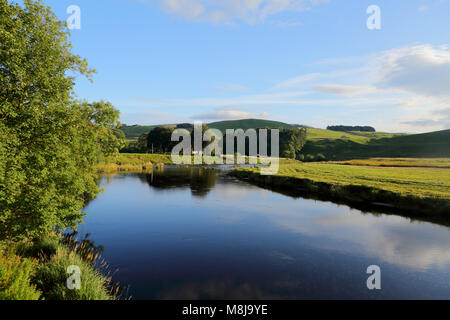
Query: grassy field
x=411, y=191
x=315, y=134
x=399, y=162
x=419, y=182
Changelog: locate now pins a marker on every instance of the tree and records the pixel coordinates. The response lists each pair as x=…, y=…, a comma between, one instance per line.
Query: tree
x=142, y=143
x=291, y=142
x=48, y=140
x=160, y=139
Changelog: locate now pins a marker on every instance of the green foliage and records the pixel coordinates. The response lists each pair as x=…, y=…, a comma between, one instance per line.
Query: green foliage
x=159, y=140
x=291, y=142
x=48, y=141
x=41, y=247
x=15, y=276
x=320, y=157
x=51, y=278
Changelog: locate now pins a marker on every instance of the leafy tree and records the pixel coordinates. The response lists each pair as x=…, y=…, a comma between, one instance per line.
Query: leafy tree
x=291, y=142
x=142, y=143
x=48, y=141
x=159, y=139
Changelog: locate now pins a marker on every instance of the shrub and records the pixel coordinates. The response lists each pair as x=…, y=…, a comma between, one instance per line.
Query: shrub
x=309, y=157
x=43, y=247
x=51, y=278
x=321, y=157
x=15, y=275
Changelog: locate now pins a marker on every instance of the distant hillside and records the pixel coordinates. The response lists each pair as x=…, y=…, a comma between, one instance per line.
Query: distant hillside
x=356, y=145
x=336, y=145
x=133, y=132
x=248, y=124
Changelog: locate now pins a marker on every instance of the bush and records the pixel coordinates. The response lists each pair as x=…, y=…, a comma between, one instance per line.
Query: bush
x=42, y=247
x=309, y=157
x=15, y=275
x=321, y=157
x=51, y=278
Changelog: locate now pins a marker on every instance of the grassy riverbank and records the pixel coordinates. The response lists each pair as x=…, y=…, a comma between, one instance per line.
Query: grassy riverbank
x=415, y=191
x=37, y=270
x=132, y=162
x=137, y=162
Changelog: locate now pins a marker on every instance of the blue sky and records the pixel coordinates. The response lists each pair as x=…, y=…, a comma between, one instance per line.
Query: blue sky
x=309, y=62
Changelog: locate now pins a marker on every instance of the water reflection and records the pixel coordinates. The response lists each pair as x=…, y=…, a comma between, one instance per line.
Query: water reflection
x=194, y=233
x=199, y=180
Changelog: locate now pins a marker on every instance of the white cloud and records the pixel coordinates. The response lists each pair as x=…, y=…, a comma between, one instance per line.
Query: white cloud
x=316, y=78
x=423, y=70
x=229, y=113
x=414, y=79
x=230, y=11
x=344, y=90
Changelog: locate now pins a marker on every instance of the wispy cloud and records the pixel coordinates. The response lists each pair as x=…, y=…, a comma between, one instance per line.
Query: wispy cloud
x=344, y=90
x=232, y=11
x=229, y=113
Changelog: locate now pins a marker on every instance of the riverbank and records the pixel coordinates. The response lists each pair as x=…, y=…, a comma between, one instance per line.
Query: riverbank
x=138, y=162
x=409, y=191
x=415, y=187
x=37, y=270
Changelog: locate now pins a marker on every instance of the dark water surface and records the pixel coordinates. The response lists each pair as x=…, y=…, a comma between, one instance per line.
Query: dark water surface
x=197, y=234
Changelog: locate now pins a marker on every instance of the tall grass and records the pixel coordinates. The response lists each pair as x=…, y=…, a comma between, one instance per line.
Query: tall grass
x=37, y=269
x=15, y=278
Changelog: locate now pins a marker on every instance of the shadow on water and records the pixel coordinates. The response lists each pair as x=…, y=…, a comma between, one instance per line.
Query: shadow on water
x=200, y=180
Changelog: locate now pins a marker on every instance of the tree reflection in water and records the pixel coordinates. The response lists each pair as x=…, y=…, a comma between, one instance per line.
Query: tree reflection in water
x=199, y=180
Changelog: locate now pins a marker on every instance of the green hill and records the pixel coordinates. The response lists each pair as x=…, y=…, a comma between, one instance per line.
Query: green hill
x=357, y=146
x=315, y=134
x=133, y=132
x=248, y=124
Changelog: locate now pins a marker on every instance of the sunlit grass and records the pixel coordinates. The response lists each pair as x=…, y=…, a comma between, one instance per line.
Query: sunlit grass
x=414, y=181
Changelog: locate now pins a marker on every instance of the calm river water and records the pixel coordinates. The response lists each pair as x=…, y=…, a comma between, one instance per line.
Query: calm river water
x=193, y=233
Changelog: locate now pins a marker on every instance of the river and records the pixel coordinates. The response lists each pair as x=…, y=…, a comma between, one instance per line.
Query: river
x=196, y=233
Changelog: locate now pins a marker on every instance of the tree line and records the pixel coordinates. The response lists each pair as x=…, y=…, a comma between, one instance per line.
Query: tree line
x=291, y=141
x=351, y=128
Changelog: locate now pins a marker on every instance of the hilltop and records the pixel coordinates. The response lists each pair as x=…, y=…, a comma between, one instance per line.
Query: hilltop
x=246, y=124
x=133, y=132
